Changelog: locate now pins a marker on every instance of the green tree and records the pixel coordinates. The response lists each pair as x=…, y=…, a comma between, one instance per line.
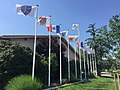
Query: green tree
x=17, y=60
x=114, y=24
x=100, y=41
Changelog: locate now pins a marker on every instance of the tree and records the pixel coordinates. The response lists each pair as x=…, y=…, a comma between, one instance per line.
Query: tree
x=99, y=41
x=114, y=24
x=17, y=60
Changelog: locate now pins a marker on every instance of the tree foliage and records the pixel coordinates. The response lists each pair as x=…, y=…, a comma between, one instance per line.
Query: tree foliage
x=105, y=42
x=16, y=60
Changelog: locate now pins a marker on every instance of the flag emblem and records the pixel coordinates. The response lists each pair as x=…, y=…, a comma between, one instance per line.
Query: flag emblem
x=75, y=26
x=25, y=10
x=44, y=20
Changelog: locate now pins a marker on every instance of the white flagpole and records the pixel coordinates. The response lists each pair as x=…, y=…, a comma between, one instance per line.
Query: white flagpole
x=75, y=61
x=88, y=65
x=68, y=62
x=80, y=63
x=95, y=63
x=49, y=55
x=60, y=63
x=84, y=63
x=49, y=59
x=80, y=54
x=33, y=66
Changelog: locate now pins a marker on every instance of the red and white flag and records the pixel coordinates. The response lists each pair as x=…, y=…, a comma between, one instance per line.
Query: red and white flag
x=44, y=20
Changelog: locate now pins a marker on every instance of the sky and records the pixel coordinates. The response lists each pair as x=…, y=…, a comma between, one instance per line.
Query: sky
x=64, y=12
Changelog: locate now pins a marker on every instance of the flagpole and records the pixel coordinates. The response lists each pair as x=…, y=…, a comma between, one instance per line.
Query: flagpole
x=60, y=63
x=79, y=51
x=49, y=55
x=75, y=61
x=49, y=59
x=95, y=64
x=80, y=63
x=84, y=63
x=33, y=66
x=68, y=63
x=88, y=65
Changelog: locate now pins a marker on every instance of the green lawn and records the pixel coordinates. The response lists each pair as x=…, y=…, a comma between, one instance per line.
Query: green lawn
x=95, y=84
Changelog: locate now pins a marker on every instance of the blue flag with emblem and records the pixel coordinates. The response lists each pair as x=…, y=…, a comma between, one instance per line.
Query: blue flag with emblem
x=26, y=10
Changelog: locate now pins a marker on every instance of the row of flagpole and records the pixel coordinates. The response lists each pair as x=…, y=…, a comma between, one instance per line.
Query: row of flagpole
x=46, y=20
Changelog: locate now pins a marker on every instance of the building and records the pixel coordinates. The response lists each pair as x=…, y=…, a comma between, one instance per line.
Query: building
x=28, y=41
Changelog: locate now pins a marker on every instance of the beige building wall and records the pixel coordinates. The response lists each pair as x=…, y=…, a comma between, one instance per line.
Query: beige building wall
x=29, y=42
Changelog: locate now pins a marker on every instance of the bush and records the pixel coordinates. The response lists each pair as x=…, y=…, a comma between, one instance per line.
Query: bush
x=92, y=75
x=73, y=77
x=64, y=81
x=23, y=82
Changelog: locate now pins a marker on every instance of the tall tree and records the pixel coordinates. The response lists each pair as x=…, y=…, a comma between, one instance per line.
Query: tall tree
x=100, y=42
x=114, y=24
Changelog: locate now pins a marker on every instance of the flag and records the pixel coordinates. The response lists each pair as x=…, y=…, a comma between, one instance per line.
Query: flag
x=26, y=10
x=56, y=28
x=75, y=38
x=78, y=43
x=75, y=26
x=64, y=33
x=44, y=20
x=82, y=44
x=87, y=48
x=49, y=28
x=71, y=38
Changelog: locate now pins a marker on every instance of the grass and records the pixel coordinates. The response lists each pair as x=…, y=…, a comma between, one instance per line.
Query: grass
x=95, y=84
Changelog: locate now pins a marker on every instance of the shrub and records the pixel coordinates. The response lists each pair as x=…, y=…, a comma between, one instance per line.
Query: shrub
x=64, y=81
x=73, y=77
x=92, y=75
x=23, y=82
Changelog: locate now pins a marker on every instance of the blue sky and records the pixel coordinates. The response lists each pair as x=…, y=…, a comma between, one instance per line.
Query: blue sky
x=65, y=12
